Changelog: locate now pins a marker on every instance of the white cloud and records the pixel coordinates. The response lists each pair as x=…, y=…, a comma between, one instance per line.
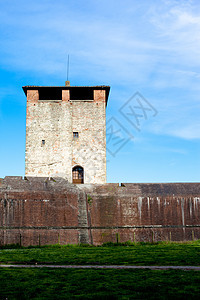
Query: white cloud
x=190, y=131
x=153, y=44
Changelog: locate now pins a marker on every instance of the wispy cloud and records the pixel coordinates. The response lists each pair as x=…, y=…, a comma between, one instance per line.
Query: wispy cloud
x=147, y=46
x=150, y=45
x=190, y=131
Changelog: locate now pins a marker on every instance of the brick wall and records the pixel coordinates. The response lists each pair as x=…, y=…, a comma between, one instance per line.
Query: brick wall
x=144, y=212
x=47, y=211
x=42, y=210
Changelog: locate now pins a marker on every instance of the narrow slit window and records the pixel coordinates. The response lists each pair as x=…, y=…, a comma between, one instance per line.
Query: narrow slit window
x=75, y=135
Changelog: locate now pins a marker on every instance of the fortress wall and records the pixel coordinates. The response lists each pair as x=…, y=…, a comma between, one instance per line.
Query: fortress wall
x=47, y=211
x=145, y=212
x=39, y=210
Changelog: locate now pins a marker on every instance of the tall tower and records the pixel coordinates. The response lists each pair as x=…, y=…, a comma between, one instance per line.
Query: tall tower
x=66, y=132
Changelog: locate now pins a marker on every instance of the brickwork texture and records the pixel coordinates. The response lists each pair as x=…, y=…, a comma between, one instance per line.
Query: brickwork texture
x=43, y=211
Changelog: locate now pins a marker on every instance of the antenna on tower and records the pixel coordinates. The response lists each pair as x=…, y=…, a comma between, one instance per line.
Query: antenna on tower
x=67, y=83
x=68, y=67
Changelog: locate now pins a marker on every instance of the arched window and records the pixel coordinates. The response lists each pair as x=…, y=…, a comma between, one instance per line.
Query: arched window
x=77, y=174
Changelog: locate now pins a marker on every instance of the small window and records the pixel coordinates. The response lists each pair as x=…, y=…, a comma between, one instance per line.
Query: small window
x=77, y=174
x=75, y=135
x=43, y=142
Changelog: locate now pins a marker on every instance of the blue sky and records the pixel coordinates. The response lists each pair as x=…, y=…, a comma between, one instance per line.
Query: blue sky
x=147, y=46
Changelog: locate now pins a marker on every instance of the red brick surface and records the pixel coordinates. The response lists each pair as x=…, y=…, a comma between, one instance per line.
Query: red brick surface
x=145, y=212
x=48, y=211
x=65, y=95
x=33, y=95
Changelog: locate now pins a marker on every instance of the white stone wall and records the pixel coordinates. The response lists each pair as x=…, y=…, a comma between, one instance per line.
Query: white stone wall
x=54, y=122
x=89, y=150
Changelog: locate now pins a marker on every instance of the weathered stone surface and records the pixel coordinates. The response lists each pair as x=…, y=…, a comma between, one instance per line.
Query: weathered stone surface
x=51, y=210
x=42, y=209
x=51, y=150
x=144, y=212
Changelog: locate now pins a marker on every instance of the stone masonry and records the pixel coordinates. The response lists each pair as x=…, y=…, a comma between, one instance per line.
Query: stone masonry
x=53, y=116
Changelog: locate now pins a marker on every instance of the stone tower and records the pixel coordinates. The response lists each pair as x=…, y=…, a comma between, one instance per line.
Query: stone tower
x=66, y=132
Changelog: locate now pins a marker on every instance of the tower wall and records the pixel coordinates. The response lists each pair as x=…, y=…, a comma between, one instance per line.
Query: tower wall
x=51, y=149
x=89, y=150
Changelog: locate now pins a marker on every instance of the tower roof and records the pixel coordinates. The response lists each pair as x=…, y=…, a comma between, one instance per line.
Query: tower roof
x=48, y=89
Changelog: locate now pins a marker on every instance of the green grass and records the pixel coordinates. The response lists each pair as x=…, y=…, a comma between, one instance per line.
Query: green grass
x=98, y=284
x=182, y=254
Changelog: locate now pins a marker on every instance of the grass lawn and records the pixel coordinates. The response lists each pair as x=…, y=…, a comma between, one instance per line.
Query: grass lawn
x=98, y=284
x=181, y=254
x=47, y=283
